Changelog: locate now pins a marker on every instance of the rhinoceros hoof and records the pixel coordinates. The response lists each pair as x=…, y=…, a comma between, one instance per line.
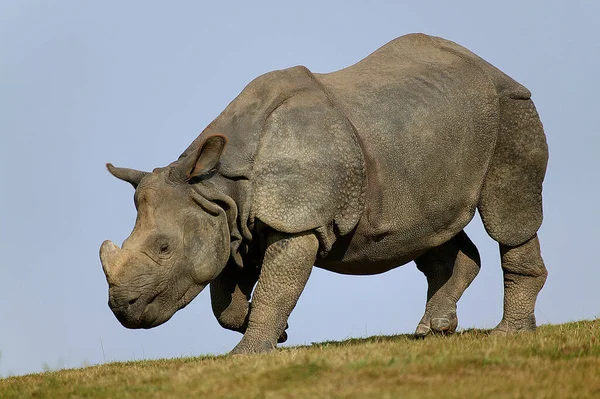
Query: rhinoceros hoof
x=445, y=325
x=422, y=331
x=525, y=325
x=262, y=347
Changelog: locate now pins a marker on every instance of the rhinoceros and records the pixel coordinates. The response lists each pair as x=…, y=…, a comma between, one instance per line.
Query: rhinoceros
x=357, y=171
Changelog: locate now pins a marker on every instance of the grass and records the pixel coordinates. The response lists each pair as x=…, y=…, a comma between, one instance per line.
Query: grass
x=558, y=361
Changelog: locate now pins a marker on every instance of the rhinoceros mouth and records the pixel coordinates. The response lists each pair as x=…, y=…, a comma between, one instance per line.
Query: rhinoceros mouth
x=154, y=315
x=139, y=312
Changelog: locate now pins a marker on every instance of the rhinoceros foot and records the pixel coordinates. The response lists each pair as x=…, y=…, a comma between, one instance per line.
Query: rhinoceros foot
x=247, y=349
x=442, y=324
x=526, y=324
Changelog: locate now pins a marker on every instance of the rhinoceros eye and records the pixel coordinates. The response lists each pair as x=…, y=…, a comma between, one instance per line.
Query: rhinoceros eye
x=163, y=249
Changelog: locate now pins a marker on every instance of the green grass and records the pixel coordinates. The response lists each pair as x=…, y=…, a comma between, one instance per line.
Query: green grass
x=558, y=361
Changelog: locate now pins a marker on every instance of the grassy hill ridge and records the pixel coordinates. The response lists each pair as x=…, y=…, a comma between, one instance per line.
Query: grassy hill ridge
x=557, y=361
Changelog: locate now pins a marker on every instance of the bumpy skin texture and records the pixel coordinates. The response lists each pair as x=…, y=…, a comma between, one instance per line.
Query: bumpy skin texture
x=286, y=267
x=357, y=171
x=511, y=198
x=524, y=276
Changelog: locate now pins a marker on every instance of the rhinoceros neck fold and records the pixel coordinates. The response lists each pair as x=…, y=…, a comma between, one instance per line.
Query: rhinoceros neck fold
x=231, y=195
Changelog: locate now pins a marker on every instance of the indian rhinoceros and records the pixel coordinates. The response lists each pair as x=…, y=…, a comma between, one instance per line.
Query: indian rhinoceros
x=356, y=171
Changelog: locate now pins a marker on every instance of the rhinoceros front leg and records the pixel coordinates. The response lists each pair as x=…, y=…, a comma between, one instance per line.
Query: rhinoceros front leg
x=230, y=296
x=286, y=267
x=450, y=269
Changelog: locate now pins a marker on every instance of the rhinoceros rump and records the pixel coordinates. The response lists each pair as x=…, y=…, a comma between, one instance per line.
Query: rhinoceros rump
x=356, y=171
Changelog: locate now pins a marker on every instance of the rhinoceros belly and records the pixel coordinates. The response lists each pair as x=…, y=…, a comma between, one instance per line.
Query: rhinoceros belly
x=426, y=121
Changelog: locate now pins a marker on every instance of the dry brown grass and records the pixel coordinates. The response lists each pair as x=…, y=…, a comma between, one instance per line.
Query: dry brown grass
x=559, y=361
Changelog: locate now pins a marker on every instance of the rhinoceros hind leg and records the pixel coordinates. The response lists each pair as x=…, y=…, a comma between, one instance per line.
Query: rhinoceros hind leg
x=450, y=268
x=524, y=277
x=511, y=209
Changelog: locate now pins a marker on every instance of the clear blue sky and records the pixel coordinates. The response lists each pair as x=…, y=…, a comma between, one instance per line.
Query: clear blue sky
x=133, y=83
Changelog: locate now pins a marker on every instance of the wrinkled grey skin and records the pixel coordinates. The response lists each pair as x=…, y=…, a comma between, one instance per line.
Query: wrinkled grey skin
x=356, y=171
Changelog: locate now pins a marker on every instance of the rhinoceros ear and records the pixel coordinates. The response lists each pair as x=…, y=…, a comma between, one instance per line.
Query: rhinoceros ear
x=203, y=159
x=131, y=176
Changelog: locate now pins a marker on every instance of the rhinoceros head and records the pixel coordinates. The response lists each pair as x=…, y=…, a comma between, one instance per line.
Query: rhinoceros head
x=180, y=241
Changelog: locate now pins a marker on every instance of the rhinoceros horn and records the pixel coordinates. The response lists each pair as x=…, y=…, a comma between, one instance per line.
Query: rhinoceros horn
x=112, y=258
